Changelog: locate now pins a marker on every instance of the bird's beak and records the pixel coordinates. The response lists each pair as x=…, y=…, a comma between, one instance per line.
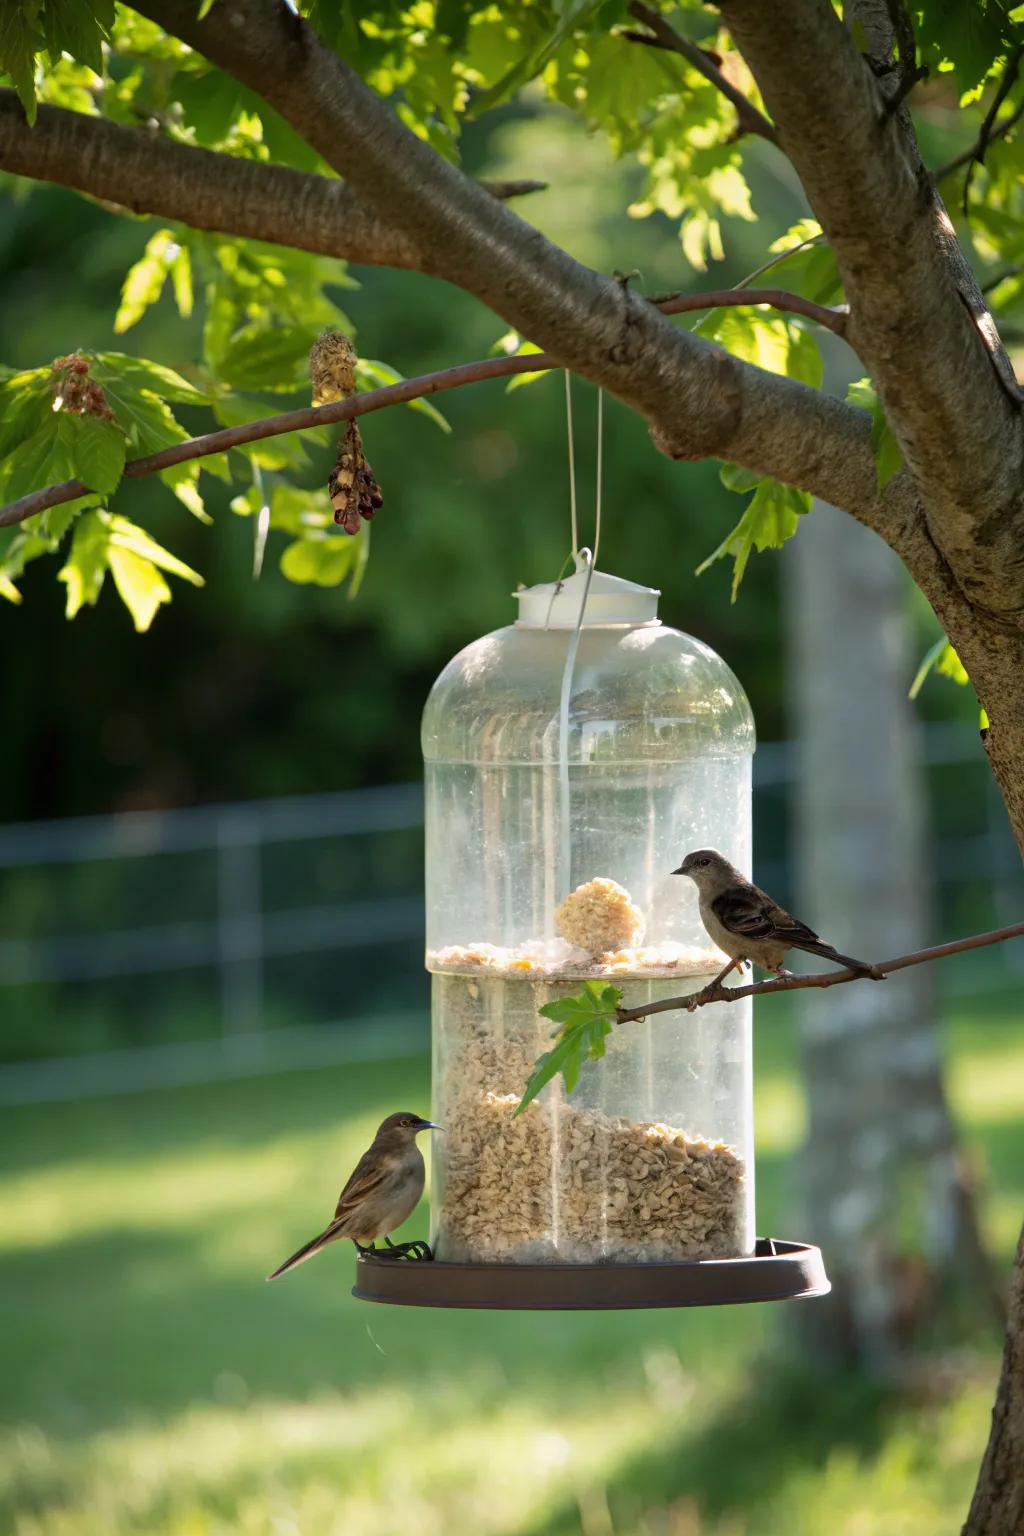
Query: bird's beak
x=430, y=1125
x=682, y=870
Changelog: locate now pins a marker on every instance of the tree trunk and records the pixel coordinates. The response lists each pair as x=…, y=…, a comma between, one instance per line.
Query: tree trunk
x=881, y=1159
x=997, y=1508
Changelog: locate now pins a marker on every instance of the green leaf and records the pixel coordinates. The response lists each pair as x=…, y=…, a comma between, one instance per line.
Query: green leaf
x=274, y=359
x=887, y=452
x=181, y=281
x=140, y=585
x=585, y=1020
x=42, y=459
x=19, y=42
x=183, y=480
x=97, y=449
x=86, y=565
x=103, y=541
x=323, y=561
x=145, y=280
x=141, y=374
x=771, y=518
x=943, y=659
x=964, y=37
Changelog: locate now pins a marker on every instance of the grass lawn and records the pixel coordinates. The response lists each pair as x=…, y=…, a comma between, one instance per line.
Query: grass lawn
x=153, y=1384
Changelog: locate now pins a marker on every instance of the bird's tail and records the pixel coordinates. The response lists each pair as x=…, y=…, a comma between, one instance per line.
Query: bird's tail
x=306, y=1251
x=828, y=953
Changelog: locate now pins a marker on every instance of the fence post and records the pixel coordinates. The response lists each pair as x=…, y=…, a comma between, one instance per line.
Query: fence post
x=239, y=922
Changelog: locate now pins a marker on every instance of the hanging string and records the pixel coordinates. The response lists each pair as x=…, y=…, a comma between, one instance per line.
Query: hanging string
x=600, y=474
x=572, y=463
x=583, y=556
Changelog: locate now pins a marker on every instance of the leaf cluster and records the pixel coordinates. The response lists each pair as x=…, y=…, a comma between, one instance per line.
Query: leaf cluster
x=584, y=1020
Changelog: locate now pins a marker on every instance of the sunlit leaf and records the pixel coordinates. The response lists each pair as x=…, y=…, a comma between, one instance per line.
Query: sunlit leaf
x=772, y=516
x=585, y=1020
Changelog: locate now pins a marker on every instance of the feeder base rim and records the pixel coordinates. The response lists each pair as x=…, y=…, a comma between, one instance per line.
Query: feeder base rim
x=777, y=1270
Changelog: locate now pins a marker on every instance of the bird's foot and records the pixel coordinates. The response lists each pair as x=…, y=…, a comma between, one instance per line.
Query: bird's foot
x=779, y=970
x=416, y=1249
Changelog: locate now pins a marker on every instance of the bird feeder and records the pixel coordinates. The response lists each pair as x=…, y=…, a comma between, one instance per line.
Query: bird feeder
x=572, y=759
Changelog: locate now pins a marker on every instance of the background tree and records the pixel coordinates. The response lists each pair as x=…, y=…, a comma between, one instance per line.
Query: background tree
x=249, y=107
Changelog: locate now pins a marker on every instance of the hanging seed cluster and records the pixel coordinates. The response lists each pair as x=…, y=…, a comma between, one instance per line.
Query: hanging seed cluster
x=563, y=1182
x=74, y=391
x=352, y=486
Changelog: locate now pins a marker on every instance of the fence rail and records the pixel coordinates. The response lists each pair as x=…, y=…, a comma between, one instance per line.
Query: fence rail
x=256, y=918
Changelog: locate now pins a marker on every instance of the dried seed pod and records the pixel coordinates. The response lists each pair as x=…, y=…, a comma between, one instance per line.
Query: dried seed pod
x=332, y=367
x=352, y=486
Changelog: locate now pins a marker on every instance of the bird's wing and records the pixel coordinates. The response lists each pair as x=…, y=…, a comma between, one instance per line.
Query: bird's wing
x=367, y=1176
x=751, y=914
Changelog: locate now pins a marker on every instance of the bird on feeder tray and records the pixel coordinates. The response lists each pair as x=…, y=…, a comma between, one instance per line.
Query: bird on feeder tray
x=384, y=1188
x=747, y=924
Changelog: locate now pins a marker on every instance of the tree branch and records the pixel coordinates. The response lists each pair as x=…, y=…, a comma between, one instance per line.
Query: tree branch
x=145, y=172
x=395, y=394
x=750, y=119
x=1010, y=73
x=917, y=317
x=698, y=401
x=722, y=994
x=966, y=156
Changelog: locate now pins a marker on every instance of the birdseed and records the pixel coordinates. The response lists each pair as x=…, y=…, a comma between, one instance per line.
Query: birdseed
x=563, y=1182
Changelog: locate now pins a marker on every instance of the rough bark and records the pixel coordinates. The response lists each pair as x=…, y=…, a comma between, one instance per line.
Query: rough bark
x=904, y=277
x=997, y=1508
x=881, y=1151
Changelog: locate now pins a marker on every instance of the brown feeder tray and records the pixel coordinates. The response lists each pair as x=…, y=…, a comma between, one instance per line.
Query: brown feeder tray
x=776, y=1271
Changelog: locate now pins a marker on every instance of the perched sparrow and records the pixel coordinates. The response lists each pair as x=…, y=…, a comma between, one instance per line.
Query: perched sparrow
x=385, y=1188
x=746, y=924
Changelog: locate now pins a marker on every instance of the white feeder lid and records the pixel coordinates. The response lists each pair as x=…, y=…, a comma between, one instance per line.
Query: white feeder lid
x=611, y=600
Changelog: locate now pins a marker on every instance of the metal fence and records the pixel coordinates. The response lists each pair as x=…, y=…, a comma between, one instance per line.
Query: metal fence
x=173, y=946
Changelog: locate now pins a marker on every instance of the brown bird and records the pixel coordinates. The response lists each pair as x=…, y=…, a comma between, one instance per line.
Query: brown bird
x=384, y=1188
x=747, y=924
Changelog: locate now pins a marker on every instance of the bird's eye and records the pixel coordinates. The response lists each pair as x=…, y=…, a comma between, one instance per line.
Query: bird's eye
x=703, y=863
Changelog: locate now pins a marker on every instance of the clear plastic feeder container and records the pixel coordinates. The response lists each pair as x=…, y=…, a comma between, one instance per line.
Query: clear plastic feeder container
x=554, y=761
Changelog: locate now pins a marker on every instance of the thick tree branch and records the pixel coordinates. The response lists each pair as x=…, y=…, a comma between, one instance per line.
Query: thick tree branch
x=147, y=173
x=394, y=394
x=751, y=120
x=699, y=401
x=721, y=994
x=917, y=318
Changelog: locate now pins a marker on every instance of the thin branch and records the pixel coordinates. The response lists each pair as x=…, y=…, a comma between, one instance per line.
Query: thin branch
x=833, y=319
x=1010, y=73
x=721, y=994
x=967, y=155
x=751, y=119
x=394, y=394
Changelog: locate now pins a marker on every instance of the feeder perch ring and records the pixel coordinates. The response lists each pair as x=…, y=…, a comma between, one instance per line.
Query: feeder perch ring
x=776, y=1271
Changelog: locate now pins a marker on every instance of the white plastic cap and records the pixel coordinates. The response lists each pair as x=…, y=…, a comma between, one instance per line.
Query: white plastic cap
x=610, y=600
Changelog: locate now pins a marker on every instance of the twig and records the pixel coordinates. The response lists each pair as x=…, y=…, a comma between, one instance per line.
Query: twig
x=833, y=319
x=998, y=132
x=720, y=994
x=1010, y=74
x=751, y=119
x=395, y=394
x=993, y=282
